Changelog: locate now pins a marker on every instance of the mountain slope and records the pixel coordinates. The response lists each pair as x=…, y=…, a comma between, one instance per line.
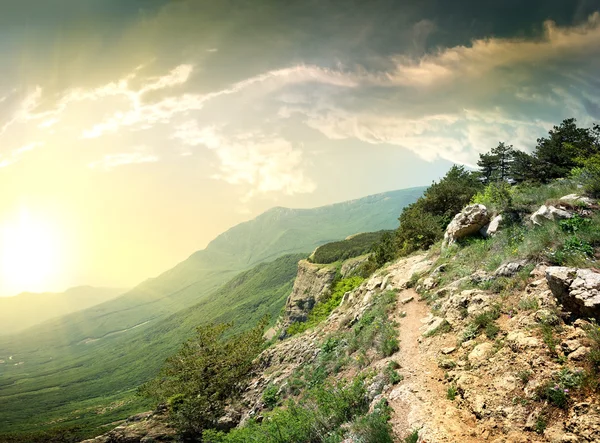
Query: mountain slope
x=99, y=355
x=28, y=309
x=276, y=232
x=71, y=388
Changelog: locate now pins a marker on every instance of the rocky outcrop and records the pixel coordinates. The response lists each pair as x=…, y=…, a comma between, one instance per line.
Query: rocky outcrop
x=492, y=227
x=312, y=284
x=577, y=289
x=148, y=427
x=545, y=213
x=578, y=200
x=470, y=220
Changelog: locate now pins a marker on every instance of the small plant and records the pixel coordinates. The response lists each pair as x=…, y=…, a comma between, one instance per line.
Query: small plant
x=529, y=304
x=444, y=328
x=570, y=379
x=391, y=374
x=574, y=224
x=555, y=394
x=540, y=424
x=270, y=396
x=470, y=332
x=451, y=392
x=548, y=337
x=524, y=376
x=491, y=330
x=413, y=437
x=593, y=333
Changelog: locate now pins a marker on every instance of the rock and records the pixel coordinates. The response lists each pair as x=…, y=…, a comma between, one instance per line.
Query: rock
x=448, y=350
x=429, y=283
x=470, y=220
x=578, y=290
x=517, y=341
x=406, y=300
x=492, y=227
x=479, y=354
x=578, y=200
x=510, y=269
x=434, y=324
x=311, y=286
x=569, y=346
x=584, y=421
x=478, y=406
x=143, y=428
x=579, y=354
x=545, y=213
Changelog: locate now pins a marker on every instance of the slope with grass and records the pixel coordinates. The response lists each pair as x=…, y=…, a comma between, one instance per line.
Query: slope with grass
x=29, y=309
x=97, y=387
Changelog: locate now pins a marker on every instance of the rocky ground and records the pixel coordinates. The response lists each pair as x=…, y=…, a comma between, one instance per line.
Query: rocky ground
x=475, y=364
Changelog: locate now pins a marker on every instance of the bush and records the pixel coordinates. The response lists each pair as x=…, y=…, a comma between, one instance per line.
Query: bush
x=270, y=396
x=207, y=372
x=497, y=196
x=316, y=417
x=589, y=175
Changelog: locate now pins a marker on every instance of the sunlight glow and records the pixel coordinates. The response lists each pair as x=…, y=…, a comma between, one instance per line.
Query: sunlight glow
x=31, y=253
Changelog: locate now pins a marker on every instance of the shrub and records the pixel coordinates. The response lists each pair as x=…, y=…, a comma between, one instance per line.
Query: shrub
x=316, y=417
x=391, y=374
x=589, y=175
x=413, y=437
x=270, y=396
x=206, y=373
x=497, y=196
x=524, y=376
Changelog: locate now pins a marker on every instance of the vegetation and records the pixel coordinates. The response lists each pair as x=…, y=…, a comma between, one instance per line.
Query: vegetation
x=322, y=309
x=101, y=387
x=207, y=372
x=354, y=246
x=316, y=417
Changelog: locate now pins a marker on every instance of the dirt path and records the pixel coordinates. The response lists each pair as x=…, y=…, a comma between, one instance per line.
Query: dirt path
x=419, y=401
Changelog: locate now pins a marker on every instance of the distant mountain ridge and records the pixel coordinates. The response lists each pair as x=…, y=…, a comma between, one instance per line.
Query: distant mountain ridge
x=28, y=309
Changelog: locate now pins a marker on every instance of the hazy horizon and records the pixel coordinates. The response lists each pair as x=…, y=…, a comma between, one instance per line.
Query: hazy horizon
x=133, y=133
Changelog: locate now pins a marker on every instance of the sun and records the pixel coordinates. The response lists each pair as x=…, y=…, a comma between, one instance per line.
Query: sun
x=30, y=252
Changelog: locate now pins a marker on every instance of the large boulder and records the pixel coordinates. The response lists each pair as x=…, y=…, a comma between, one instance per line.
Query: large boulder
x=546, y=213
x=577, y=289
x=470, y=220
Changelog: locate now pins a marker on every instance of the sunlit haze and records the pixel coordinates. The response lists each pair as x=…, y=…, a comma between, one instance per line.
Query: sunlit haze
x=134, y=132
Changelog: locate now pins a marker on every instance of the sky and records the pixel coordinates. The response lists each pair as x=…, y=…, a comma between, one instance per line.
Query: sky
x=134, y=132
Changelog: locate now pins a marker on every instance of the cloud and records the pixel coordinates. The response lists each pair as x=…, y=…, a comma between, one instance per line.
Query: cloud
x=264, y=163
x=138, y=155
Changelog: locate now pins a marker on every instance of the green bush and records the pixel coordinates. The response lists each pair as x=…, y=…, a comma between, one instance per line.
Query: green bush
x=451, y=392
x=497, y=196
x=316, y=417
x=589, y=175
x=270, y=396
x=206, y=373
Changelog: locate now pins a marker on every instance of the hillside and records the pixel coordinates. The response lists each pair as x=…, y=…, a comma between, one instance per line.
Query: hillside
x=95, y=358
x=28, y=309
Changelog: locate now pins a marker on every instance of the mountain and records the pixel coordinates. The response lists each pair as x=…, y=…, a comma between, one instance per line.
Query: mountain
x=28, y=309
x=93, y=359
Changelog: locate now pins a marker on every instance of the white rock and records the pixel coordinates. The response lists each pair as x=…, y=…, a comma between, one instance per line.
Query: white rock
x=492, y=227
x=470, y=220
x=548, y=213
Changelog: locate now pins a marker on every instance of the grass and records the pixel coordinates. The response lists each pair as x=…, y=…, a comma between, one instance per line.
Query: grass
x=322, y=309
x=451, y=393
x=413, y=437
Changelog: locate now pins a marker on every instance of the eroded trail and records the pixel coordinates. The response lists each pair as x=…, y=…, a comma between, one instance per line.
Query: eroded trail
x=419, y=401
